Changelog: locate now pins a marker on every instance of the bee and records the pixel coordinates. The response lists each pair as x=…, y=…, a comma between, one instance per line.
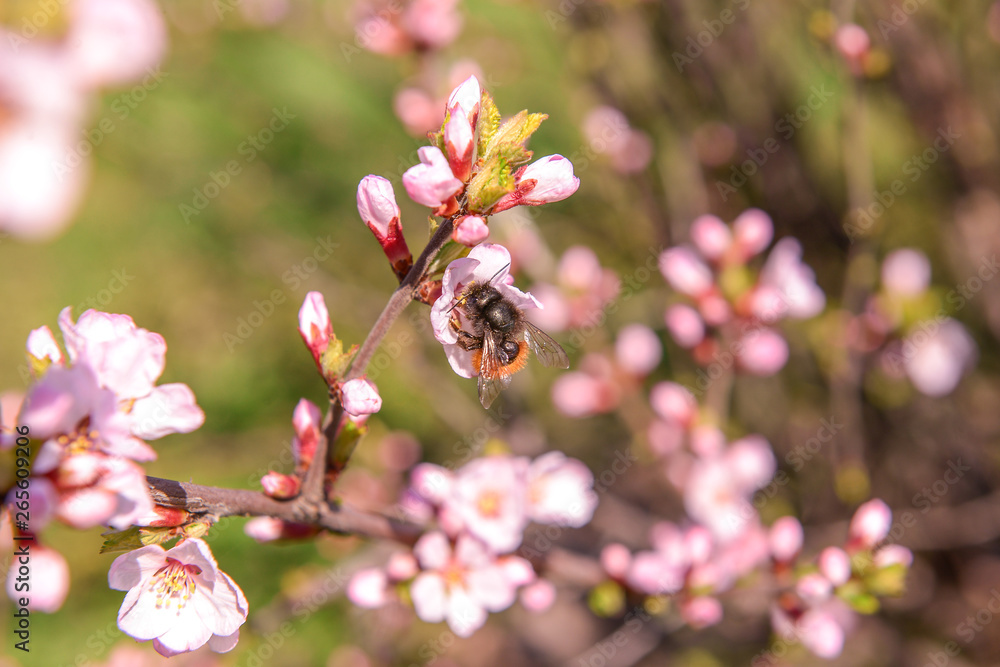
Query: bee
x=500, y=338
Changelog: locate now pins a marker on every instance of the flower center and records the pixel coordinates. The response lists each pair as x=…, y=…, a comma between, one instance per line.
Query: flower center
x=174, y=582
x=454, y=575
x=489, y=504
x=79, y=441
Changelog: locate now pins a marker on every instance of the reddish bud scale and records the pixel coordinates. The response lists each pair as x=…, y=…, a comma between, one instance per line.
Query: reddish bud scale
x=169, y=516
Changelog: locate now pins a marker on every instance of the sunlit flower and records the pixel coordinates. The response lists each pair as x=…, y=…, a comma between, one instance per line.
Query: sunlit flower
x=489, y=496
x=178, y=598
x=431, y=182
x=560, y=491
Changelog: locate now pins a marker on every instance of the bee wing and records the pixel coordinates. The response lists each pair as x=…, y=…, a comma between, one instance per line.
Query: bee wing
x=549, y=352
x=492, y=377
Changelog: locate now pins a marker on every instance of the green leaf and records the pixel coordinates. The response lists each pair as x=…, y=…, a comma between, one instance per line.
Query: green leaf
x=515, y=131
x=493, y=180
x=606, y=599
x=489, y=121
x=135, y=538
x=335, y=361
x=348, y=438
x=889, y=580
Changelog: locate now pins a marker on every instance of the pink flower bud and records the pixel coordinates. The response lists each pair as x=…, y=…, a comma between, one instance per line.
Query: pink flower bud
x=785, y=539
x=707, y=441
x=314, y=325
x=711, y=236
x=753, y=230
x=460, y=144
x=467, y=96
x=685, y=325
x=821, y=634
x=401, y=566
x=893, y=554
x=377, y=207
x=578, y=394
x=549, y=179
x=835, y=565
x=906, y=272
x=853, y=44
x=431, y=182
x=936, y=354
x=264, y=529
x=763, y=354
x=701, y=612
x=367, y=588
x=360, y=397
x=673, y=403
x=307, y=421
x=616, y=559
x=870, y=524
x=470, y=231
x=685, y=271
x=814, y=588
x=281, y=486
x=49, y=578
x=638, y=349
x=538, y=596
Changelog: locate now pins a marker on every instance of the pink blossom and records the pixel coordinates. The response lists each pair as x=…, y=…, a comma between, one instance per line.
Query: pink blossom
x=701, y=612
x=685, y=271
x=307, y=421
x=489, y=496
x=42, y=345
x=470, y=230
x=538, y=596
x=560, y=491
x=638, y=349
x=577, y=394
x=460, y=145
x=458, y=585
x=467, y=96
x=616, y=559
x=367, y=588
x=49, y=580
x=127, y=360
x=707, y=440
x=685, y=325
x=280, y=485
x=853, y=44
x=814, y=588
x=115, y=41
x=906, y=272
x=673, y=403
x=377, y=207
x=870, y=524
x=95, y=489
x=583, y=289
x=178, y=598
x=795, y=282
x=419, y=112
x=785, y=538
x=432, y=482
x=402, y=566
x=711, y=236
x=661, y=571
x=718, y=490
x=820, y=633
x=752, y=232
x=360, y=397
x=486, y=262
x=751, y=461
x=835, y=565
x=314, y=325
x=264, y=528
x=544, y=181
x=432, y=23
x=431, y=182
x=763, y=353
x=893, y=554
x=936, y=355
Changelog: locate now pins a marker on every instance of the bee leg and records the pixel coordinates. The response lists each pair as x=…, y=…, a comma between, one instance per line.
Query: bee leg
x=467, y=341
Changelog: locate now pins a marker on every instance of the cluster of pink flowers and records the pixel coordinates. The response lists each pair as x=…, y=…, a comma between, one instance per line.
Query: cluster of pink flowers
x=46, y=91
x=396, y=28
x=696, y=566
x=608, y=130
x=465, y=565
x=93, y=408
x=906, y=325
x=733, y=312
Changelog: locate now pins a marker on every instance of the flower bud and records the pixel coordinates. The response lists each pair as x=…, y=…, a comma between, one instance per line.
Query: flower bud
x=314, y=325
x=785, y=538
x=467, y=97
x=685, y=325
x=753, y=231
x=460, y=144
x=470, y=230
x=360, y=397
x=544, y=181
x=377, y=207
x=685, y=271
x=281, y=486
x=431, y=182
x=870, y=524
x=835, y=565
x=711, y=236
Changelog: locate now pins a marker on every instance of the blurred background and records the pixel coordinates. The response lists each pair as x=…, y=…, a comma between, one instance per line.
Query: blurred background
x=220, y=188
